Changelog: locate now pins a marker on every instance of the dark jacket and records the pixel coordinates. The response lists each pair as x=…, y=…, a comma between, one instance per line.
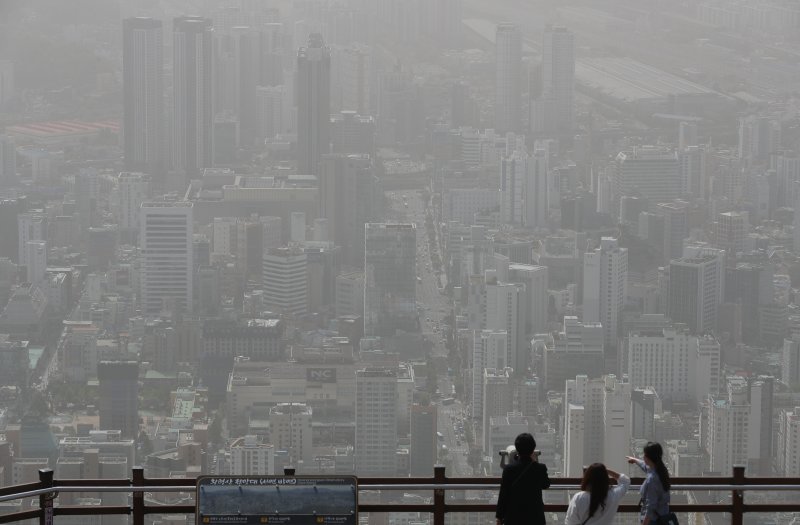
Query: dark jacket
x=520, y=501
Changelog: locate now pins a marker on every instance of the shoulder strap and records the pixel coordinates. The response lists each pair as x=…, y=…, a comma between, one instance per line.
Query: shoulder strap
x=521, y=474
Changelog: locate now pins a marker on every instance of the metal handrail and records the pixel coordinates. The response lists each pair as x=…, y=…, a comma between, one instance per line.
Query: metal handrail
x=380, y=486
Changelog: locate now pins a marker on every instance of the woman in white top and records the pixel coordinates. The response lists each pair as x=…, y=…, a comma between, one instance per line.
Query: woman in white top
x=597, y=502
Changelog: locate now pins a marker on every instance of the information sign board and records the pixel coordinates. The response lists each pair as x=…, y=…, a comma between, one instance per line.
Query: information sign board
x=287, y=500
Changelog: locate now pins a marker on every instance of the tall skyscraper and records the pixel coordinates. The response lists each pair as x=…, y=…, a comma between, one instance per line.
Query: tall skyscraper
x=285, y=280
x=390, y=284
x=192, y=71
x=506, y=309
x=508, y=80
x=118, y=396
x=376, y=422
x=513, y=175
x=558, y=76
x=36, y=259
x=8, y=161
x=165, y=241
x=423, y=448
x=605, y=275
x=246, y=54
x=143, y=86
x=313, y=104
x=348, y=191
x=536, y=212
x=32, y=226
x=696, y=289
x=489, y=350
x=133, y=190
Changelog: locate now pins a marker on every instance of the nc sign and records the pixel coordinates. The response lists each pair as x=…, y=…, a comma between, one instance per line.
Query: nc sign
x=321, y=375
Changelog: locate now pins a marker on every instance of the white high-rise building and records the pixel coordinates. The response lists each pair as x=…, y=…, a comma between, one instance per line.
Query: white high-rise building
x=376, y=422
x=788, y=452
x=133, y=191
x=166, y=256
x=32, y=226
x=506, y=310
x=489, y=350
x=727, y=425
x=498, y=398
x=678, y=365
x=508, y=80
x=537, y=299
x=597, y=423
x=390, y=282
x=36, y=261
x=558, y=76
x=250, y=457
x=605, y=275
x=285, y=280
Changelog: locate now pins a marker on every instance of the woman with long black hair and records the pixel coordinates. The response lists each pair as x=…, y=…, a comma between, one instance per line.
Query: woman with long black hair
x=597, y=502
x=655, y=489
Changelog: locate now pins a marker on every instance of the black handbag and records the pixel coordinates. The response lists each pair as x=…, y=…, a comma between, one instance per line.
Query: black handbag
x=667, y=519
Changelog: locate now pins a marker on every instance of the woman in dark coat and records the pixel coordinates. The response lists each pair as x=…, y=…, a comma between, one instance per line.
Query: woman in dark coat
x=520, y=501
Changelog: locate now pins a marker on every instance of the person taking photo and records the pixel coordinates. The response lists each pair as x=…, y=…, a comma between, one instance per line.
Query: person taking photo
x=520, y=501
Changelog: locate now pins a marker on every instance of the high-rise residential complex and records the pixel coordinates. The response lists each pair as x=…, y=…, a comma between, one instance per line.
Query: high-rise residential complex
x=192, y=72
x=788, y=442
x=143, y=86
x=597, y=422
x=376, y=422
x=390, y=285
x=118, y=396
x=166, y=269
x=313, y=104
x=605, y=274
x=558, y=76
x=508, y=80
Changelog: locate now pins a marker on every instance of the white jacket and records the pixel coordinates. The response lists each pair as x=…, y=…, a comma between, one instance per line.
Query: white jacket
x=579, y=505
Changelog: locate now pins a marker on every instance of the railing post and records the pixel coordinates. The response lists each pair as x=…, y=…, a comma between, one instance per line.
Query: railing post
x=289, y=471
x=46, y=500
x=138, y=497
x=439, y=478
x=737, y=496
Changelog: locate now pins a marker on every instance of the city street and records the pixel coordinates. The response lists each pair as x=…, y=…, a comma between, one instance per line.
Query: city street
x=434, y=306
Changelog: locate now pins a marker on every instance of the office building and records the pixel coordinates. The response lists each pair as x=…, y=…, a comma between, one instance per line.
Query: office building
x=352, y=134
x=118, y=397
x=605, y=275
x=505, y=309
x=251, y=457
x=290, y=430
x=424, y=444
x=31, y=226
x=651, y=172
x=576, y=350
x=791, y=362
x=192, y=71
x=508, y=79
x=676, y=227
x=645, y=404
x=558, y=76
x=694, y=177
x=352, y=73
x=729, y=232
x=727, y=424
x=285, y=280
x=144, y=141
x=537, y=203
x=597, y=423
x=678, y=365
x=133, y=190
x=696, y=290
x=788, y=442
x=513, y=178
x=498, y=400
x=350, y=294
x=36, y=261
x=8, y=161
x=166, y=267
x=489, y=350
x=390, y=283
x=270, y=118
x=537, y=300
x=376, y=422
x=313, y=104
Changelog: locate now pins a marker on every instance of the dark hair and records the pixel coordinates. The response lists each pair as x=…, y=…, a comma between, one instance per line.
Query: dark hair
x=595, y=482
x=655, y=453
x=525, y=445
